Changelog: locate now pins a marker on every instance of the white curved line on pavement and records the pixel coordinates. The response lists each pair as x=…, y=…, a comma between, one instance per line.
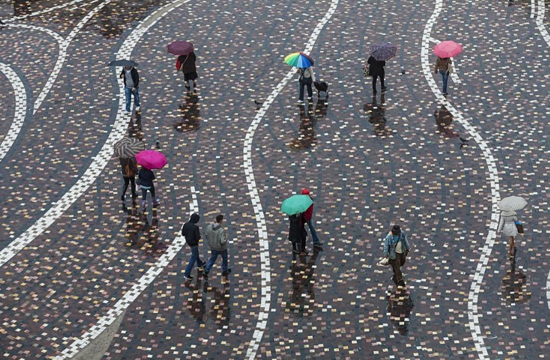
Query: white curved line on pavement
x=255, y=197
x=93, y=171
x=492, y=177
x=53, y=8
x=540, y=21
x=20, y=108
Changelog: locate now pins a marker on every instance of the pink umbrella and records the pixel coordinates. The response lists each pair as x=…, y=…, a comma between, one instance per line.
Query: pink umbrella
x=181, y=48
x=151, y=159
x=447, y=49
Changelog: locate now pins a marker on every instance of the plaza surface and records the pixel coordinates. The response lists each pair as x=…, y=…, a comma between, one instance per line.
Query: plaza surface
x=72, y=285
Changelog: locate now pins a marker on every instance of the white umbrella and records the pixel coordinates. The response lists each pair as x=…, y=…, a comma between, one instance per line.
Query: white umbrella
x=512, y=203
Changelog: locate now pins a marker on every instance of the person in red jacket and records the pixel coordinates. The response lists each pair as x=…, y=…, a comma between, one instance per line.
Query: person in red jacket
x=308, y=214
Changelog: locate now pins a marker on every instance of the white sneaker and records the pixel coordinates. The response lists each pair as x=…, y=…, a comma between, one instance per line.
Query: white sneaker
x=138, y=108
x=300, y=101
x=127, y=112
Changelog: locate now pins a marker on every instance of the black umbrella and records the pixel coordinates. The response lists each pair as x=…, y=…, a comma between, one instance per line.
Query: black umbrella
x=122, y=63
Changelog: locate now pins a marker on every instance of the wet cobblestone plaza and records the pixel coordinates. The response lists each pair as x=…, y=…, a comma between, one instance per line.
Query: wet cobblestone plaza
x=84, y=275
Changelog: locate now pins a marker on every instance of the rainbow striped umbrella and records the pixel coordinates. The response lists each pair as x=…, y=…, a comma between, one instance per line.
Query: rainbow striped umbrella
x=299, y=60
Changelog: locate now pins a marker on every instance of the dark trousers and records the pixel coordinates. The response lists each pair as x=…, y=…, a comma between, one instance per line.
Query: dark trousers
x=374, y=78
x=144, y=192
x=195, y=258
x=309, y=89
x=396, y=264
x=300, y=245
x=127, y=181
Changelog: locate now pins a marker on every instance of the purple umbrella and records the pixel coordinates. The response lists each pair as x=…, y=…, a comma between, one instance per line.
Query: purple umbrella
x=180, y=48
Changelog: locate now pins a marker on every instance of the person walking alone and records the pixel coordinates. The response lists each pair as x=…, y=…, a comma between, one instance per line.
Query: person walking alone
x=396, y=248
x=131, y=87
x=308, y=215
x=306, y=77
x=443, y=66
x=217, y=240
x=129, y=172
x=376, y=70
x=145, y=178
x=507, y=226
x=189, y=69
x=192, y=236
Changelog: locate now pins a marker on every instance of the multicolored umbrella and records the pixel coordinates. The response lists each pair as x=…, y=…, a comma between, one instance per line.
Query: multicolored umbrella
x=383, y=51
x=181, y=48
x=128, y=147
x=299, y=60
x=151, y=159
x=447, y=49
x=296, y=204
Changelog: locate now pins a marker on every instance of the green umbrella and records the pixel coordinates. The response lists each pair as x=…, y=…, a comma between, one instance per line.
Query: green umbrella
x=296, y=204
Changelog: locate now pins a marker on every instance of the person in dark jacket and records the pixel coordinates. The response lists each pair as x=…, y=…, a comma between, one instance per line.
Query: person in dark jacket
x=297, y=233
x=308, y=216
x=376, y=70
x=189, y=69
x=146, y=177
x=131, y=86
x=192, y=236
x=129, y=172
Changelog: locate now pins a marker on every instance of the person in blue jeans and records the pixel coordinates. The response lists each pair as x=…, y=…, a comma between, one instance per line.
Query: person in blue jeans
x=192, y=236
x=308, y=214
x=443, y=66
x=131, y=86
x=217, y=240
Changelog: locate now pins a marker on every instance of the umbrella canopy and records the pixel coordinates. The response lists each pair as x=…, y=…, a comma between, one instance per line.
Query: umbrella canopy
x=383, y=51
x=512, y=203
x=151, y=159
x=181, y=48
x=447, y=49
x=122, y=63
x=296, y=204
x=299, y=60
x=128, y=147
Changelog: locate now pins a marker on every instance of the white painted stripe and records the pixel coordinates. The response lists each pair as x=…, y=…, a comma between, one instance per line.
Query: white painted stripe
x=540, y=22
x=130, y=296
x=548, y=290
x=265, y=263
x=20, y=109
x=492, y=178
x=101, y=159
x=533, y=8
x=53, y=8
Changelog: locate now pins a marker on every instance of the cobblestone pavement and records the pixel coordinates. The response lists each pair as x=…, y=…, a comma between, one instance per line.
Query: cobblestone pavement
x=370, y=161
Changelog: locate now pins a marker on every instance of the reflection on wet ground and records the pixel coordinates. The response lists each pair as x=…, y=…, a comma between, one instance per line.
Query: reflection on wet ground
x=306, y=138
x=301, y=301
x=514, y=284
x=190, y=114
x=377, y=115
x=399, y=310
x=444, y=119
x=219, y=309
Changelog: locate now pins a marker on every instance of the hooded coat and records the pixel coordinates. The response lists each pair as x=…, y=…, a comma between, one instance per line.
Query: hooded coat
x=216, y=237
x=191, y=231
x=297, y=232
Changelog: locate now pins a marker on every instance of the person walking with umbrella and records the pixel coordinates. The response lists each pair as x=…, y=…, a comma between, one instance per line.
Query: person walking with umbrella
x=306, y=75
x=149, y=160
x=294, y=207
x=508, y=223
x=126, y=149
x=396, y=248
x=444, y=51
x=186, y=62
x=380, y=53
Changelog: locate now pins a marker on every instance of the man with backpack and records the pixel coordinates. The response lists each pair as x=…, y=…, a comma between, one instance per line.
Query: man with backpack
x=396, y=248
x=217, y=240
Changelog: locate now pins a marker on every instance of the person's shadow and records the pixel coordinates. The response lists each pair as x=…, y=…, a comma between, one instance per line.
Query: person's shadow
x=514, y=284
x=399, y=309
x=190, y=113
x=136, y=223
x=303, y=279
x=306, y=138
x=196, y=304
x=377, y=115
x=220, y=311
x=135, y=128
x=444, y=119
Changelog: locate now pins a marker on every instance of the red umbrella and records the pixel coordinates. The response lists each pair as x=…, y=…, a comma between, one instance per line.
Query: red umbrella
x=151, y=159
x=181, y=48
x=447, y=49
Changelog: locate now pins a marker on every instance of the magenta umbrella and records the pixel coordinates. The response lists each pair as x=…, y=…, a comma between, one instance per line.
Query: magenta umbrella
x=447, y=49
x=151, y=159
x=181, y=48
